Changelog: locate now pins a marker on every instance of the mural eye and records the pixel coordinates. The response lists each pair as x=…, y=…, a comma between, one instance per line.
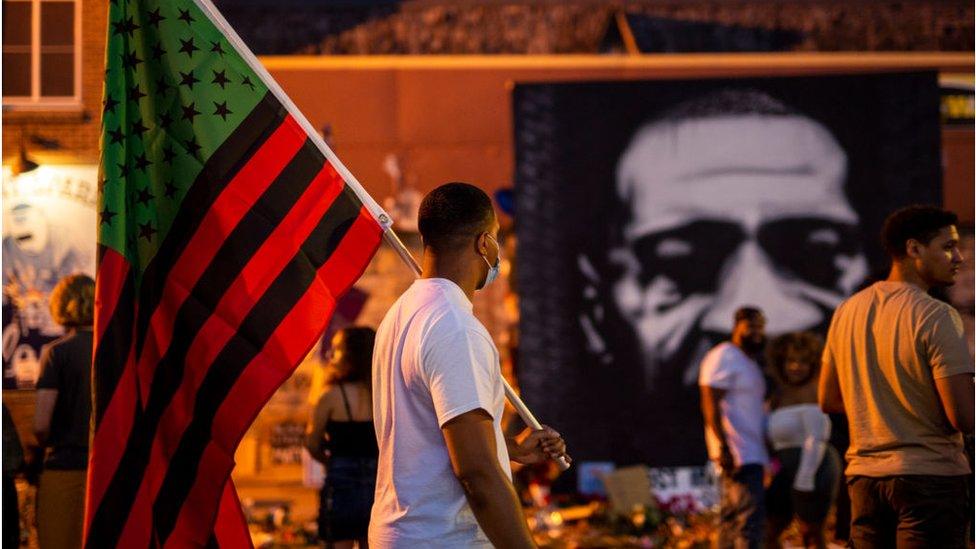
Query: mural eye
x=825, y=237
x=674, y=247
x=807, y=247
x=690, y=256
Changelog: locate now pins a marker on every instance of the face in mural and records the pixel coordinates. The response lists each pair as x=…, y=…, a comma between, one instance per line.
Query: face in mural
x=28, y=228
x=727, y=211
x=28, y=276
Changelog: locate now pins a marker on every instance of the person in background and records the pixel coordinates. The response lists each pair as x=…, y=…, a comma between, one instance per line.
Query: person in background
x=342, y=438
x=732, y=392
x=61, y=419
x=896, y=362
x=809, y=468
x=13, y=462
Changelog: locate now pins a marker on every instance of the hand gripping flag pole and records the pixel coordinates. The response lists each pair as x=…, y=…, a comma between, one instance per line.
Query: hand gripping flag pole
x=381, y=216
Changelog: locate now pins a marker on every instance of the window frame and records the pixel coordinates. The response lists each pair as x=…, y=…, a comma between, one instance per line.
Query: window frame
x=35, y=101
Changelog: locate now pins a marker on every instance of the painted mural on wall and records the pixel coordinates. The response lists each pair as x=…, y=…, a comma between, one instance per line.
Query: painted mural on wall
x=49, y=222
x=642, y=227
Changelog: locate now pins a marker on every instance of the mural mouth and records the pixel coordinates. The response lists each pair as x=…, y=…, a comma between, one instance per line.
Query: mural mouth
x=26, y=237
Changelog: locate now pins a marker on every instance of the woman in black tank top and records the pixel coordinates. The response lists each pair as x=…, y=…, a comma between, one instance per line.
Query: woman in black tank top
x=342, y=438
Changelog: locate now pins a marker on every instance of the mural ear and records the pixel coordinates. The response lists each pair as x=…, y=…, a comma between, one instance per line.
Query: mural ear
x=592, y=318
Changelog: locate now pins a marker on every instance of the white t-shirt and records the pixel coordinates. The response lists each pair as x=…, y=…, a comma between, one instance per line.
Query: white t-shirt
x=743, y=416
x=432, y=361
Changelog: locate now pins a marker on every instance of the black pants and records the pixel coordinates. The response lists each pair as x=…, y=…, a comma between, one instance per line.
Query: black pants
x=743, y=509
x=783, y=502
x=11, y=513
x=909, y=511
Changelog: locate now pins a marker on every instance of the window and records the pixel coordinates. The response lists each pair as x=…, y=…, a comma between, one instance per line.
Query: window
x=41, y=52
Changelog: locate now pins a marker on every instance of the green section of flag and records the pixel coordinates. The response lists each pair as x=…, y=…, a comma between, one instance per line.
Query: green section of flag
x=175, y=89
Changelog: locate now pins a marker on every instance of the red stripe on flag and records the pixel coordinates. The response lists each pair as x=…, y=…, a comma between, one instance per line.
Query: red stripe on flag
x=289, y=344
x=236, y=303
x=225, y=213
x=112, y=270
x=138, y=529
x=110, y=438
x=194, y=528
x=231, y=526
x=119, y=414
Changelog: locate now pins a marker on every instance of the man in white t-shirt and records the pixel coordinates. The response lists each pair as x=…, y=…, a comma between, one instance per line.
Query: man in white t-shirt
x=732, y=392
x=444, y=478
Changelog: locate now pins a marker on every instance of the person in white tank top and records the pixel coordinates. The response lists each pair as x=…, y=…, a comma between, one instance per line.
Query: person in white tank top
x=805, y=483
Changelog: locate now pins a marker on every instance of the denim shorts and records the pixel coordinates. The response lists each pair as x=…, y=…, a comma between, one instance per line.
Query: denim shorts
x=347, y=498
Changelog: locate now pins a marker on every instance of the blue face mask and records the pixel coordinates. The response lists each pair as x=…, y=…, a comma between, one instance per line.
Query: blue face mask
x=492, y=269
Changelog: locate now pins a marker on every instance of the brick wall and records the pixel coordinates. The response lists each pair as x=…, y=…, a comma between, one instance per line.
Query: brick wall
x=75, y=132
x=577, y=26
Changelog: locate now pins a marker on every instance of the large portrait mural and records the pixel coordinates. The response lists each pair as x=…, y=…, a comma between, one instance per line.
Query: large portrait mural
x=648, y=211
x=49, y=223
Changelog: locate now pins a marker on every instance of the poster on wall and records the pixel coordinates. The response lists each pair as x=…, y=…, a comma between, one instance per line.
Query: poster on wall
x=649, y=211
x=49, y=222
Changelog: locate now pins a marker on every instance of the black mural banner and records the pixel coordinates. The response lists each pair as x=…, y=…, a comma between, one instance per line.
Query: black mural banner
x=648, y=211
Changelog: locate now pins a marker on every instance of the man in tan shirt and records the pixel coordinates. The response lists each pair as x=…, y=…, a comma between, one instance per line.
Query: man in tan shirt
x=897, y=364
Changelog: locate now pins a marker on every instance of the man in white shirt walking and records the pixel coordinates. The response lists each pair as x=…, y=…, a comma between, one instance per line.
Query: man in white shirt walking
x=732, y=391
x=444, y=478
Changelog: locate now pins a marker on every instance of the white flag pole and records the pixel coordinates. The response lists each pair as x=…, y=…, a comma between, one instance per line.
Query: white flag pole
x=252, y=61
x=374, y=208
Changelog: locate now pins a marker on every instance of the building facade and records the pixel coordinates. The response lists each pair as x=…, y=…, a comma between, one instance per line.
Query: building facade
x=53, y=63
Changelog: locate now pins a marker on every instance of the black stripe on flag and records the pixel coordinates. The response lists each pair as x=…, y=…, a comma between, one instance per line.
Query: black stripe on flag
x=287, y=289
x=113, y=349
x=242, y=243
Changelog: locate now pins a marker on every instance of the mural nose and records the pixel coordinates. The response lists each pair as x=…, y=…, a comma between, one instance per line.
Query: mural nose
x=749, y=278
